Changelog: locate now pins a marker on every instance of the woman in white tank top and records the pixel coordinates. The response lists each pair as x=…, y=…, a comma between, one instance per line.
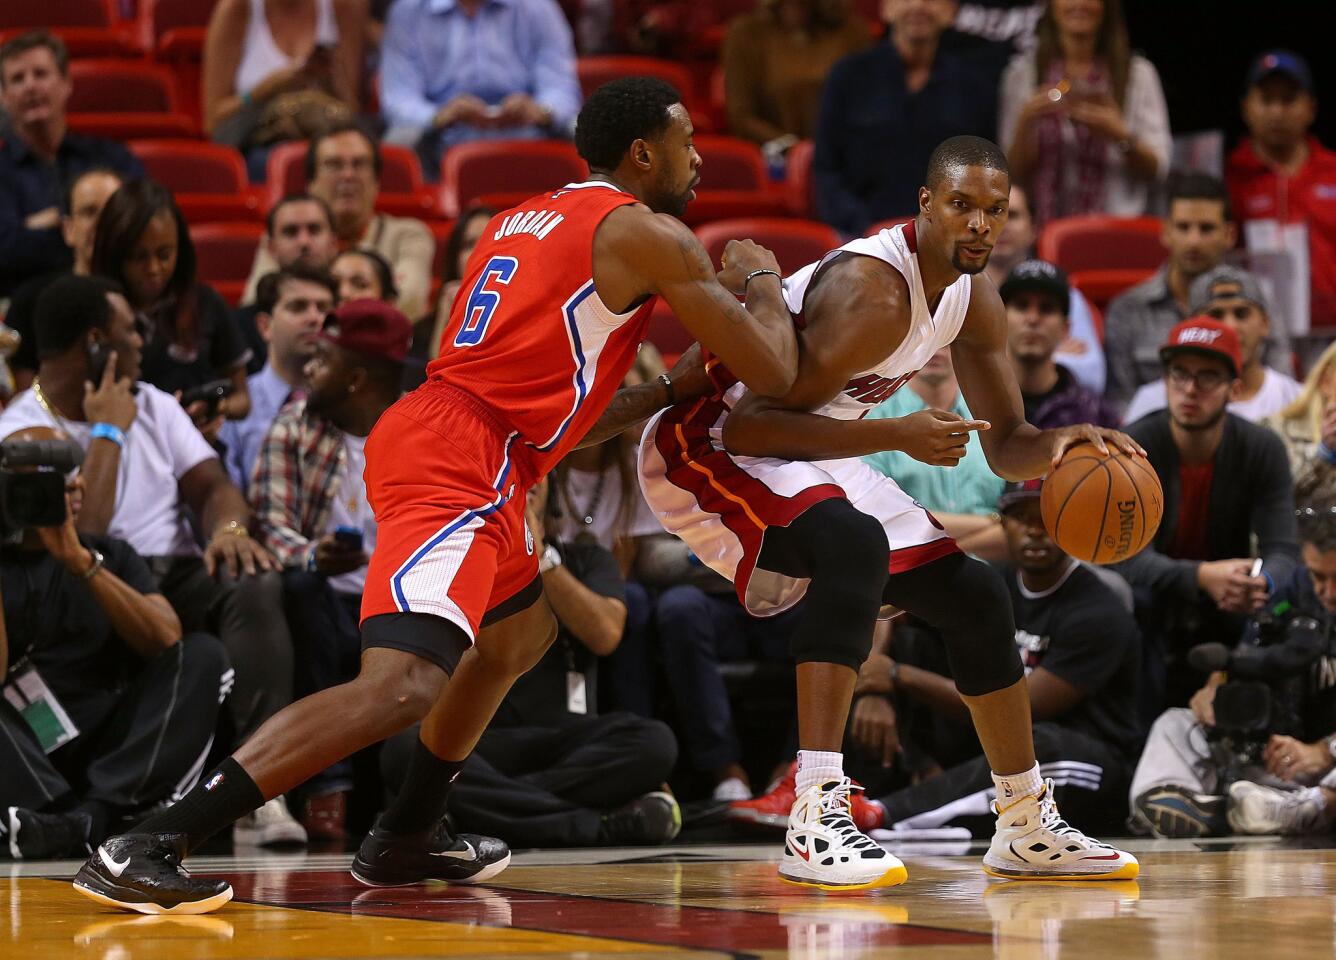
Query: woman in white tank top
x=258, y=49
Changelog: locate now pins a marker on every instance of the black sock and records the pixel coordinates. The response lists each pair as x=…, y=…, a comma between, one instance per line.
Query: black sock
x=221, y=798
x=421, y=800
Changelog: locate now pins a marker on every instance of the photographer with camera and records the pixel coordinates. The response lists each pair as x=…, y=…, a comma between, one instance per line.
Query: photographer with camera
x=107, y=708
x=1255, y=750
x=149, y=473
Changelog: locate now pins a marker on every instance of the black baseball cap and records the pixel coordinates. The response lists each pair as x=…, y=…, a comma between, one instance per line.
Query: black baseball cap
x=1041, y=276
x=1285, y=63
x=1016, y=492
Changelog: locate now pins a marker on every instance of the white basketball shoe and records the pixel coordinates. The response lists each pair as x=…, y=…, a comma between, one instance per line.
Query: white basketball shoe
x=825, y=849
x=1033, y=842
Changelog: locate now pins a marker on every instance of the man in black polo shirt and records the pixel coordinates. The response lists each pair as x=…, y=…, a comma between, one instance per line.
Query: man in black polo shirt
x=550, y=771
x=39, y=157
x=1078, y=642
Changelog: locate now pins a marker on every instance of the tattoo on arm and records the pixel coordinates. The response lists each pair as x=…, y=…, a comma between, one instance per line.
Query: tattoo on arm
x=629, y=405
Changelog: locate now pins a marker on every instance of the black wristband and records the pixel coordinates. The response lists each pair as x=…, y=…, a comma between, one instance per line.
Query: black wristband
x=760, y=273
x=668, y=385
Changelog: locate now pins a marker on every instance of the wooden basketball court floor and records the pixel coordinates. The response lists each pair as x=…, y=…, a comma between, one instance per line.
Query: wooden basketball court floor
x=1225, y=900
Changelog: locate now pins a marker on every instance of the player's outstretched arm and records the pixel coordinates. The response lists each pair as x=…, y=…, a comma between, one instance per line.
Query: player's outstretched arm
x=756, y=342
x=1016, y=450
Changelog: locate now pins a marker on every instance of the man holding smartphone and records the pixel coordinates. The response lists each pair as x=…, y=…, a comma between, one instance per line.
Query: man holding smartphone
x=313, y=512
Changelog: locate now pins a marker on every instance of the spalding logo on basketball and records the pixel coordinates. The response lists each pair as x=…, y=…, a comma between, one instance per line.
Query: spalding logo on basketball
x=1102, y=509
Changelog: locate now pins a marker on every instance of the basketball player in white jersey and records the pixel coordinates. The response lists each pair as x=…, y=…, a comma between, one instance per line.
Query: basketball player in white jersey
x=770, y=493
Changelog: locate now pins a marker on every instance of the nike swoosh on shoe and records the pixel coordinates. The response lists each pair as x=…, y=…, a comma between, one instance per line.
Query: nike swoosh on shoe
x=467, y=855
x=116, y=868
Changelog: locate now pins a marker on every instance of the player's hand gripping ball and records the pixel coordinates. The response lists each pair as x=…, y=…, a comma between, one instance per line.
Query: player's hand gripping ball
x=1102, y=508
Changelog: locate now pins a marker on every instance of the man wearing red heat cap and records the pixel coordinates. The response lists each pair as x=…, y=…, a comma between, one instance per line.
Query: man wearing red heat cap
x=1225, y=481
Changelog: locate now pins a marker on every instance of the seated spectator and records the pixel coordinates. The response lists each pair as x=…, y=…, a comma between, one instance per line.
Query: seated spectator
x=1037, y=299
x=1197, y=234
x=1234, y=297
x=292, y=307
x=1081, y=653
x=1183, y=788
x=39, y=157
x=1082, y=352
x=1307, y=426
x=278, y=70
x=84, y=200
x=775, y=62
x=464, y=236
x=963, y=498
x=1226, y=482
x=884, y=111
x=143, y=244
x=1082, y=118
x=148, y=471
x=343, y=170
x=87, y=623
x=312, y=511
x=1282, y=181
x=437, y=91
x=550, y=771
x=299, y=229
x=363, y=275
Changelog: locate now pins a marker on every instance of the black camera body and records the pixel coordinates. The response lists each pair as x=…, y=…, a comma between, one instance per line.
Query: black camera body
x=34, y=498
x=1265, y=688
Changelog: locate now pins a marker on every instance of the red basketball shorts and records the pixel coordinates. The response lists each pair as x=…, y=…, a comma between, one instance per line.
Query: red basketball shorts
x=451, y=539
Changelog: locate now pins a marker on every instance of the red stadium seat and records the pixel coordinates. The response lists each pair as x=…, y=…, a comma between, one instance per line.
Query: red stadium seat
x=89, y=41
x=55, y=14
x=133, y=126
x=502, y=173
x=121, y=86
x=157, y=18
x=403, y=192
x=173, y=32
x=1099, y=242
x=207, y=179
x=596, y=71
x=795, y=243
x=799, y=185
x=734, y=182
x=885, y=225
x=225, y=252
x=1101, y=286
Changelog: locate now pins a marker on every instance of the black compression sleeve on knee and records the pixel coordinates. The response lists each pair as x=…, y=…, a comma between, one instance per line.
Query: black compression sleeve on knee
x=843, y=553
x=967, y=603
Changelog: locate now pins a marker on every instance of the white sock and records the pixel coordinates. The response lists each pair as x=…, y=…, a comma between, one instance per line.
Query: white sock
x=1014, y=786
x=816, y=767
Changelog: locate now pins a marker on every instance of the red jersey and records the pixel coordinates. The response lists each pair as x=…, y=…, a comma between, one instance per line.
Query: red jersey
x=1259, y=194
x=528, y=335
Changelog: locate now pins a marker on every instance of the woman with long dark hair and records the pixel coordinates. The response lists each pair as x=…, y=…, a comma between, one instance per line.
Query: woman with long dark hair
x=363, y=274
x=190, y=338
x=1082, y=118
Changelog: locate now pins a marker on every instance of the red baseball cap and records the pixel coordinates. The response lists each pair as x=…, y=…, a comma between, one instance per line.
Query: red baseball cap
x=1205, y=336
x=372, y=328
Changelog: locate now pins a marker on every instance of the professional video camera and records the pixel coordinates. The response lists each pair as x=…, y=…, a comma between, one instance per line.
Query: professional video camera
x=1265, y=685
x=34, y=498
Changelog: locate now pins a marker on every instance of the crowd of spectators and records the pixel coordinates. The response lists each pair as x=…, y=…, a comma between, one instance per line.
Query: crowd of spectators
x=211, y=562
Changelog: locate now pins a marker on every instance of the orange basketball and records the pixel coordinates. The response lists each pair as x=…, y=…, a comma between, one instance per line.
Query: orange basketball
x=1102, y=508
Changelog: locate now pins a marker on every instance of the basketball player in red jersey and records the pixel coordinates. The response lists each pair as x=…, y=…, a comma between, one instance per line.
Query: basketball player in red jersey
x=789, y=510
x=554, y=304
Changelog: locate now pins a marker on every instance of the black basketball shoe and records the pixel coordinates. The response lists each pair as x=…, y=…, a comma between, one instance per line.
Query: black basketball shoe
x=46, y=836
x=388, y=859
x=143, y=872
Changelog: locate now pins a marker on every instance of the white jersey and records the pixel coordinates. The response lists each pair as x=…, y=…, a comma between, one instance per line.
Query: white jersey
x=928, y=331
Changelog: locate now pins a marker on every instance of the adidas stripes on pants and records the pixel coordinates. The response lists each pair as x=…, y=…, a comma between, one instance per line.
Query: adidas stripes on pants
x=1089, y=778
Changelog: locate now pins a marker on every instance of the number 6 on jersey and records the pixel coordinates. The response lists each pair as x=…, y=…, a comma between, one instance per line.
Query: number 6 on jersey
x=483, y=300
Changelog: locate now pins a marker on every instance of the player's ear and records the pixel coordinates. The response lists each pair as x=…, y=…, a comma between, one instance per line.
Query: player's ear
x=640, y=153
x=925, y=200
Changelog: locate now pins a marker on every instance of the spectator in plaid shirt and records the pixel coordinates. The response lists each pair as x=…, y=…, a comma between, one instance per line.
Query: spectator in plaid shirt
x=313, y=514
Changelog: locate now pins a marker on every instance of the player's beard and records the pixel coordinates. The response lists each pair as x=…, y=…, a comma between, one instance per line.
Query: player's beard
x=968, y=268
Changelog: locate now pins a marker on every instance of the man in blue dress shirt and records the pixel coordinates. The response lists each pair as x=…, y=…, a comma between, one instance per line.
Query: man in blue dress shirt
x=460, y=70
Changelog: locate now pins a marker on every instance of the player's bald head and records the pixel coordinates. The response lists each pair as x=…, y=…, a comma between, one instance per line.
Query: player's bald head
x=955, y=154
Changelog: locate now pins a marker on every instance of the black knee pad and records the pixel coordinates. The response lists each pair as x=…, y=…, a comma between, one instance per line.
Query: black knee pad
x=844, y=554
x=432, y=638
x=967, y=603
